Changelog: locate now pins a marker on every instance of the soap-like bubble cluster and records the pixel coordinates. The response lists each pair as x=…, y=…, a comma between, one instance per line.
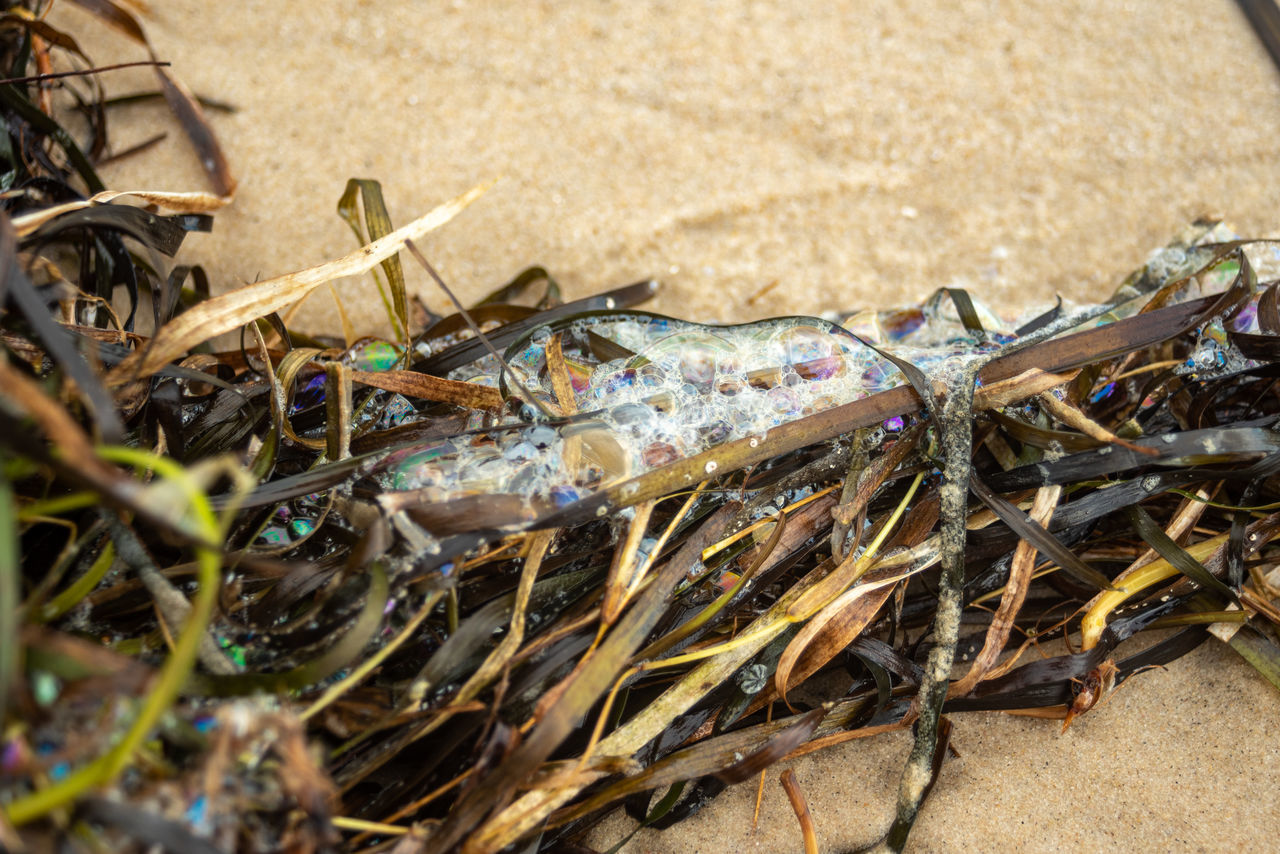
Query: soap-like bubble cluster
x=648, y=391
x=634, y=391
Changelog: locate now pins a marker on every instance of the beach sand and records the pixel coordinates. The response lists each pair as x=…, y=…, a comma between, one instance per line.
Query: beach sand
x=763, y=159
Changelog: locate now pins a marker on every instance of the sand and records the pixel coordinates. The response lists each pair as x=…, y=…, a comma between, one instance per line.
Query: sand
x=762, y=159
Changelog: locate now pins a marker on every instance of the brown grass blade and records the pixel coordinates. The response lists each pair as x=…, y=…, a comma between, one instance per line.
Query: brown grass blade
x=245, y=305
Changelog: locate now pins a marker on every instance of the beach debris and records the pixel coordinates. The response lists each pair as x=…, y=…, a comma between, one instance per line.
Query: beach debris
x=481, y=581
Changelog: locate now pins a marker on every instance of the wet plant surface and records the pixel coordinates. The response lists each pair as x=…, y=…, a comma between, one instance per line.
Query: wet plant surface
x=480, y=582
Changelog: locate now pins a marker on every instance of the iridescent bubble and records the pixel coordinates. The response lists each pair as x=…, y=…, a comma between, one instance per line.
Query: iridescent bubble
x=372, y=354
x=527, y=480
x=1246, y=318
x=634, y=418
x=1102, y=393
x=730, y=385
x=1215, y=332
x=783, y=401
x=694, y=412
x=540, y=436
x=302, y=526
x=659, y=454
x=716, y=432
x=519, y=452
x=879, y=375
x=607, y=384
x=866, y=325
x=1220, y=276
x=813, y=353
x=821, y=403
x=579, y=375
x=398, y=410
x=694, y=356
x=562, y=495
x=274, y=535
x=425, y=467
x=310, y=393
x=650, y=377
x=485, y=470
x=742, y=422
x=901, y=323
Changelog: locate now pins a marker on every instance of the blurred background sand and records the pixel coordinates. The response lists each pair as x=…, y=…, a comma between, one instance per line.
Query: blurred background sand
x=762, y=159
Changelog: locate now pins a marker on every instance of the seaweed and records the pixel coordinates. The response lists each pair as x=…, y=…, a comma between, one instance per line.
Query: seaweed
x=481, y=582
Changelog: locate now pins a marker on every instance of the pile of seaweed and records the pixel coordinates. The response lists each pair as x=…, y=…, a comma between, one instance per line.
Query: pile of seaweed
x=266, y=591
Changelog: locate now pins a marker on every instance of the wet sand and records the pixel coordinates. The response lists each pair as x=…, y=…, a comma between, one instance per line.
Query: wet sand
x=763, y=160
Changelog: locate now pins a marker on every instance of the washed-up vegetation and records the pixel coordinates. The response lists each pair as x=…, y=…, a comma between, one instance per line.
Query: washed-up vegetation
x=482, y=581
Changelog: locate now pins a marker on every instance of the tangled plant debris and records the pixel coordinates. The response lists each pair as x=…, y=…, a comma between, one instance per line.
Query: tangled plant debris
x=486, y=580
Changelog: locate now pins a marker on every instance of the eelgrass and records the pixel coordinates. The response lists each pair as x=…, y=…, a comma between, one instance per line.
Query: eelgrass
x=222, y=629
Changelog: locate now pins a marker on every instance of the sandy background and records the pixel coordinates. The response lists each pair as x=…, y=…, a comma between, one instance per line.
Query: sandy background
x=763, y=159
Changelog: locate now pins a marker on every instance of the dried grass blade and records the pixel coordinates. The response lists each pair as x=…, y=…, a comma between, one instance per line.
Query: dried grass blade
x=187, y=203
x=759, y=558
x=378, y=222
x=831, y=630
x=559, y=373
x=1015, y=593
x=539, y=543
x=621, y=581
x=337, y=410
x=746, y=750
x=585, y=686
x=775, y=749
x=1072, y=417
x=1026, y=384
x=801, y=807
x=245, y=305
x=427, y=387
